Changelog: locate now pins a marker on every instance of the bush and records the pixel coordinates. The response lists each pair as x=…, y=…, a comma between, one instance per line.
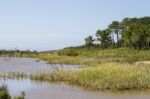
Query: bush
x=4, y=92
x=70, y=52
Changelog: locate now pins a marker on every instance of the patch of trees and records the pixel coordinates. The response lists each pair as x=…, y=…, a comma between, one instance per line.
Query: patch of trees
x=18, y=53
x=130, y=32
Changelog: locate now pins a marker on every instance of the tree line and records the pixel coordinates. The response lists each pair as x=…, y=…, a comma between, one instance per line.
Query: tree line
x=130, y=32
x=17, y=53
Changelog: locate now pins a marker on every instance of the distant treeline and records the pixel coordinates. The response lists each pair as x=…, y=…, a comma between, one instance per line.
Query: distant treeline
x=18, y=53
x=130, y=32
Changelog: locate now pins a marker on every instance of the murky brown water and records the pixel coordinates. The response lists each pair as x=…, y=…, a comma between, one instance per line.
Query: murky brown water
x=45, y=90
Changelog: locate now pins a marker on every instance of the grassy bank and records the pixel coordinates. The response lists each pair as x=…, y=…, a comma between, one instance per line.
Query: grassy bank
x=112, y=76
x=104, y=76
x=108, y=69
x=88, y=56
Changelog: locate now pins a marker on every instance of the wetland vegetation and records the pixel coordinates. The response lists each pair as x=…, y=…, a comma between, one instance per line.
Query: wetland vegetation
x=104, y=65
x=109, y=63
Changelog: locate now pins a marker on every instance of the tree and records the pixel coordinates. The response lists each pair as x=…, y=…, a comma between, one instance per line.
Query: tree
x=130, y=32
x=89, y=41
x=136, y=32
x=104, y=37
x=115, y=27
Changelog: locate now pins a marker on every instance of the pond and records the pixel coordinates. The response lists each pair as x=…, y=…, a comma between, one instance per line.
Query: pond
x=47, y=90
x=30, y=65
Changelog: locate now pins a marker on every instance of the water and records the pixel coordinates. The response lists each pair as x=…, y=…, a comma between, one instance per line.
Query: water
x=28, y=65
x=46, y=90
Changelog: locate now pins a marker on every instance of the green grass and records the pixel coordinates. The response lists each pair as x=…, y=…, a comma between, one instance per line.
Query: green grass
x=106, y=69
x=107, y=76
x=55, y=59
x=90, y=56
x=104, y=76
x=113, y=53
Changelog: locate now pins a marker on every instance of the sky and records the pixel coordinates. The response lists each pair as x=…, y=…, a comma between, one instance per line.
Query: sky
x=55, y=24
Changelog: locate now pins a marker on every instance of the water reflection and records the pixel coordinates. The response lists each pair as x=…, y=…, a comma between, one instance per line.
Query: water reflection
x=46, y=90
x=28, y=65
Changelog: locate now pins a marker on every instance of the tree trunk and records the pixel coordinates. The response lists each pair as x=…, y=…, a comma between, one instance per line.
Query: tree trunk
x=117, y=39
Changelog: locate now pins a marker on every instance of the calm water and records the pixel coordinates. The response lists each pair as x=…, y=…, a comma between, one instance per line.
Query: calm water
x=29, y=65
x=45, y=90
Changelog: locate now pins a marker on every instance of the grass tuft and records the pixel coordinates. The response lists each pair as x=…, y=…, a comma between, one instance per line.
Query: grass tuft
x=107, y=76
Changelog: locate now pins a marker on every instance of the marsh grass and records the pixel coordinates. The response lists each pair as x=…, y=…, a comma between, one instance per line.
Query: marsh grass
x=88, y=56
x=107, y=76
x=55, y=59
x=78, y=60
x=103, y=76
x=13, y=75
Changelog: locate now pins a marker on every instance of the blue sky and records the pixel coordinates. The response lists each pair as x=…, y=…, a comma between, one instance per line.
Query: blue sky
x=54, y=24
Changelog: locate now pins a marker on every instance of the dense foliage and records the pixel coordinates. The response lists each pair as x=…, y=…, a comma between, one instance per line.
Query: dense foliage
x=130, y=32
